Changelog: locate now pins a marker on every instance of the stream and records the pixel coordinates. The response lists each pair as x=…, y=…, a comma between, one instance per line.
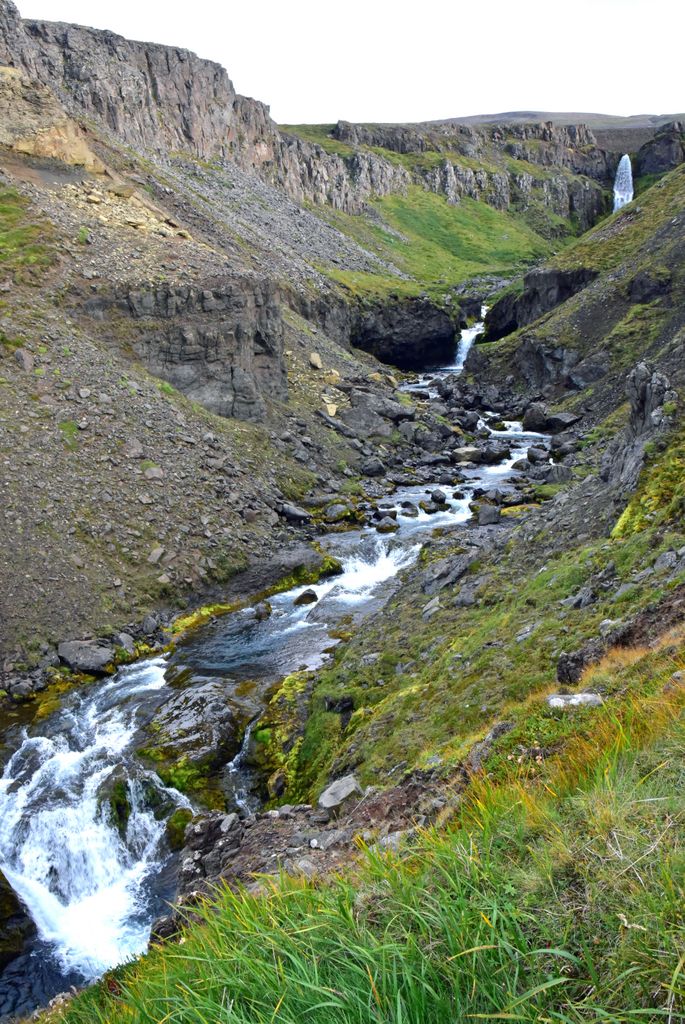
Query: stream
x=92, y=889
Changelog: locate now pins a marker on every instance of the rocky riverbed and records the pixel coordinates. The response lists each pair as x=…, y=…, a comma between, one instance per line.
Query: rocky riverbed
x=171, y=734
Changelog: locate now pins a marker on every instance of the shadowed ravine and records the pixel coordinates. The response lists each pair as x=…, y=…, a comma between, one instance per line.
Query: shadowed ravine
x=94, y=889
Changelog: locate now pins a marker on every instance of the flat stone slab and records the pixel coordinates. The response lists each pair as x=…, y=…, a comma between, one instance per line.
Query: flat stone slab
x=574, y=700
x=339, y=791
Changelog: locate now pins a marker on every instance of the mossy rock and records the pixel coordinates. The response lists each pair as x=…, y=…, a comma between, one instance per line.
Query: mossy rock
x=176, y=827
x=120, y=805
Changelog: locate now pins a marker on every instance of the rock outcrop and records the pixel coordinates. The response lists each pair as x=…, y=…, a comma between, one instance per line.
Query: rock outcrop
x=648, y=392
x=33, y=123
x=151, y=96
x=542, y=290
x=221, y=345
x=16, y=927
x=166, y=99
x=664, y=152
x=411, y=333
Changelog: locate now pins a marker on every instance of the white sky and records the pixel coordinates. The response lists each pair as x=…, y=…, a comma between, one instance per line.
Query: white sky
x=393, y=60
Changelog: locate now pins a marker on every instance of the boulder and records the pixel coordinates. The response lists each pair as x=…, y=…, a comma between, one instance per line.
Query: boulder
x=538, y=418
x=664, y=152
x=197, y=724
x=308, y=596
x=466, y=454
x=89, y=656
x=315, y=363
x=557, y=422
x=557, y=474
x=563, y=701
x=372, y=467
x=489, y=515
x=372, y=414
x=341, y=792
x=294, y=514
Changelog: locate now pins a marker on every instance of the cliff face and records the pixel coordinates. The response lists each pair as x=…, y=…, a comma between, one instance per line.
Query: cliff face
x=664, y=152
x=33, y=123
x=157, y=97
x=164, y=99
x=221, y=345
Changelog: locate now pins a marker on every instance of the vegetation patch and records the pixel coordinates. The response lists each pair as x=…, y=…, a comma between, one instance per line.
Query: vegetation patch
x=435, y=243
x=26, y=248
x=548, y=899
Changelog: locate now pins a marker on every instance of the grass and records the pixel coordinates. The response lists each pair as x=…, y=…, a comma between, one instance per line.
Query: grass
x=436, y=244
x=623, y=234
x=437, y=685
x=549, y=899
x=320, y=135
x=25, y=242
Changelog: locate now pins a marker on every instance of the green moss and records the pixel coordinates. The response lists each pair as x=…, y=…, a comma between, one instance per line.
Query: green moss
x=62, y=681
x=70, y=432
x=278, y=739
x=120, y=806
x=196, y=781
x=176, y=826
x=296, y=483
x=660, y=497
x=303, y=574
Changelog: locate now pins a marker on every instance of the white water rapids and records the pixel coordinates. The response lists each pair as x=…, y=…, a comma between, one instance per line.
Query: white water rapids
x=92, y=888
x=59, y=849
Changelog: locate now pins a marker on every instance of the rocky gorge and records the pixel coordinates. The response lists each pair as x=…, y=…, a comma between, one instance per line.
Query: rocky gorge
x=342, y=491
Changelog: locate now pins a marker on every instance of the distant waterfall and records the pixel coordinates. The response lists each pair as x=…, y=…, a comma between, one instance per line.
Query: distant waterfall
x=623, y=183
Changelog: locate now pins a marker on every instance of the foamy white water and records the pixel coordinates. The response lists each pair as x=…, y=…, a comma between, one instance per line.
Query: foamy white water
x=61, y=851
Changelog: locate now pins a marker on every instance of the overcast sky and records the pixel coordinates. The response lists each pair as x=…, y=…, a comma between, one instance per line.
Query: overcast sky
x=390, y=60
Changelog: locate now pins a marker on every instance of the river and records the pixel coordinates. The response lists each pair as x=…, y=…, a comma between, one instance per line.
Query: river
x=92, y=889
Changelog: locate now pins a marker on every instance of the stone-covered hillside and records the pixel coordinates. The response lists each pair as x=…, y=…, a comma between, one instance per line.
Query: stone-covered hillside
x=170, y=262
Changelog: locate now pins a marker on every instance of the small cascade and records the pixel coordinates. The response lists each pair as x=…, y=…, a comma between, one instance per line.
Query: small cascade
x=87, y=880
x=466, y=340
x=623, y=183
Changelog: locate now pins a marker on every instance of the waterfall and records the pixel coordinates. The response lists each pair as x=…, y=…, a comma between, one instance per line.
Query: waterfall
x=623, y=183
x=86, y=885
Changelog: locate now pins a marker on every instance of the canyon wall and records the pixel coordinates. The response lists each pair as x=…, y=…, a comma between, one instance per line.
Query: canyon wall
x=166, y=99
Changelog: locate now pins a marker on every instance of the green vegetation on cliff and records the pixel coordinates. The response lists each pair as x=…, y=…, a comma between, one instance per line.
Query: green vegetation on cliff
x=434, y=243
